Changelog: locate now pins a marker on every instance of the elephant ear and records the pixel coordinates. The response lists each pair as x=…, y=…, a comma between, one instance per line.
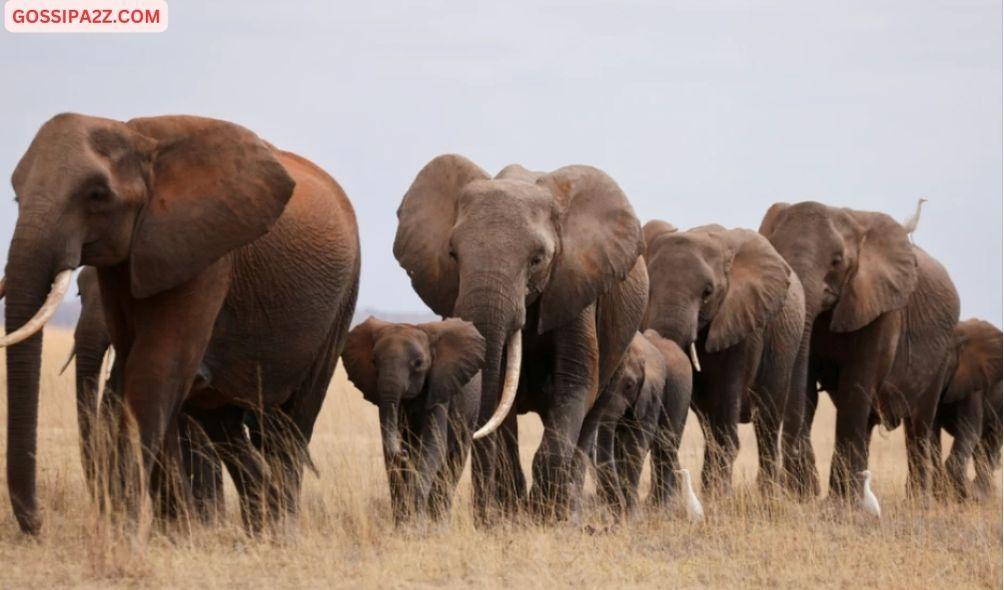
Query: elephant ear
x=458, y=353
x=770, y=218
x=426, y=217
x=654, y=230
x=601, y=240
x=213, y=189
x=979, y=349
x=884, y=276
x=359, y=358
x=758, y=280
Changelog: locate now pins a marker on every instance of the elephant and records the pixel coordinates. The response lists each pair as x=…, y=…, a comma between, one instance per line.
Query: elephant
x=879, y=322
x=548, y=268
x=425, y=380
x=200, y=465
x=971, y=407
x=644, y=407
x=732, y=299
x=228, y=272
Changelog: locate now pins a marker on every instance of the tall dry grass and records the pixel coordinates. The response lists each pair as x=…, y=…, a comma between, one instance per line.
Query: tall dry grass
x=346, y=537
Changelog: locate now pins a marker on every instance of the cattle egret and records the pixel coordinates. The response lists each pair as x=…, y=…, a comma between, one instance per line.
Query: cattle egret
x=695, y=512
x=910, y=225
x=869, y=503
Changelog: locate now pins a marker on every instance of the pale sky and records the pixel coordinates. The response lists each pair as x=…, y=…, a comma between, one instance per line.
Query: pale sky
x=703, y=111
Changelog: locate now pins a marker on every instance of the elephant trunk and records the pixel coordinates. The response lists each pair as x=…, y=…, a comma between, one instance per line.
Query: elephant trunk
x=499, y=317
x=390, y=420
x=28, y=278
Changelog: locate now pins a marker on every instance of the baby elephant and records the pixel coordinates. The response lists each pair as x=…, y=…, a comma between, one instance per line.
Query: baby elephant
x=971, y=408
x=425, y=379
x=644, y=407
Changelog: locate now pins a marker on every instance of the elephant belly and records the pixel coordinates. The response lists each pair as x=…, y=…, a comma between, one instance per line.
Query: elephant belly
x=291, y=291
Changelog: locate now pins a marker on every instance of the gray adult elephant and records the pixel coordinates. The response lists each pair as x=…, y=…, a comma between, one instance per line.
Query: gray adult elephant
x=548, y=268
x=731, y=298
x=200, y=465
x=425, y=380
x=971, y=407
x=219, y=256
x=880, y=315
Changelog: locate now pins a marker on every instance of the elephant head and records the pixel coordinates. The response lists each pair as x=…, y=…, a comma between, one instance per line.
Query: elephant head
x=858, y=264
x=162, y=198
x=490, y=250
x=978, y=348
x=394, y=363
x=728, y=281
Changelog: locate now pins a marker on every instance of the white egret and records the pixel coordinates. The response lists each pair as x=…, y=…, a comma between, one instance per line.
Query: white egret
x=695, y=511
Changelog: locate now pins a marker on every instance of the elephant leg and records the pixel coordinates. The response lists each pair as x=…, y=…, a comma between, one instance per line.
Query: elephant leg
x=968, y=422
x=606, y=467
x=445, y=482
x=799, y=476
x=204, y=469
x=987, y=455
x=631, y=445
x=225, y=428
x=804, y=475
x=850, y=451
x=665, y=455
x=939, y=477
x=718, y=401
x=497, y=477
x=171, y=490
x=510, y=481
x=767, y=426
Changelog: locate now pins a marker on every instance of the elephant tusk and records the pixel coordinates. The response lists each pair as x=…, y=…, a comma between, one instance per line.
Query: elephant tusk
x=3, y=287
x=514, y=356
x=69, y=359
x=107, y=362
x=59, y=288
x=693, y=357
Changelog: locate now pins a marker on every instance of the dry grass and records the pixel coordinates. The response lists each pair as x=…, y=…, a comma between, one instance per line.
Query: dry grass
x=346, y=538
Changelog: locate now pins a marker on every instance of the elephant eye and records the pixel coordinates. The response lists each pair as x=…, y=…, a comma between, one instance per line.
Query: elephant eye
x=453, y=255
x=536, y=259
x=708, y=290
x=416, y=364
x=99, y=194
x=837, y=259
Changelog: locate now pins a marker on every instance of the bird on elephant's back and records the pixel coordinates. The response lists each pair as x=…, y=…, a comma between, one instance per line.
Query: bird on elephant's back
x=228, y=271
x=730, y=298
x=880, y=314
x=547, y=267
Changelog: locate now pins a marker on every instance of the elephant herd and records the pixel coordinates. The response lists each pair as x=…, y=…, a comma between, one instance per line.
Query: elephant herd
x=223, y=272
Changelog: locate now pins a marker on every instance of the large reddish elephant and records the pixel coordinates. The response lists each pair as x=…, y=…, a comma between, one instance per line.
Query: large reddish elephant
x=228, y=271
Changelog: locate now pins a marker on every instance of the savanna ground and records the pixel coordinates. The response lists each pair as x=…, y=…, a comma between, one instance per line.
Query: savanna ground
x=347, y=539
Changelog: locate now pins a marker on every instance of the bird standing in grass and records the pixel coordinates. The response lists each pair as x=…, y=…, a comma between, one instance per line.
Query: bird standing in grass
x=910, y=225
x=695, y=511
x=869, y=503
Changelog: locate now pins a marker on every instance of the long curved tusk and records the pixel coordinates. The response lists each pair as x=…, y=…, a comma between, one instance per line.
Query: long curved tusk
x=69, y=359
x=514, y=356
x=693, y=357
x=59, y=288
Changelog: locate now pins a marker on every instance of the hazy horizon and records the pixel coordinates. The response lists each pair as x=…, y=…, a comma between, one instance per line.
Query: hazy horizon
x=702, y=111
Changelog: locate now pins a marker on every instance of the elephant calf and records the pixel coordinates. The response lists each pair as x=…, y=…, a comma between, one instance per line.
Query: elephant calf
x=644, y=407
x=971, y=407
x=426, y=381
